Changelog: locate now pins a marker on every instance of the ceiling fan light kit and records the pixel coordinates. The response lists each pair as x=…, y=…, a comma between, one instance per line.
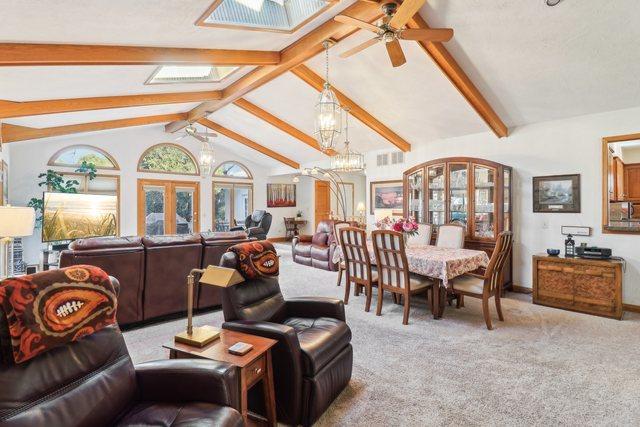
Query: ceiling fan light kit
x=391, y=29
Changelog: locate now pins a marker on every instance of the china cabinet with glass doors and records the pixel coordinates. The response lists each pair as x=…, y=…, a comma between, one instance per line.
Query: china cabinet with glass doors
x=472, y=192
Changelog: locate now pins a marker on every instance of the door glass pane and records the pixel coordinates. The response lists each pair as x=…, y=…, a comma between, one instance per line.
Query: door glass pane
x=241, y=203
x=154, y=207
x=507, y=199
x=416, y=195
x=222, y=207
x=484, y=198
x=184, y=210
x=458, y=193
x=436, y=194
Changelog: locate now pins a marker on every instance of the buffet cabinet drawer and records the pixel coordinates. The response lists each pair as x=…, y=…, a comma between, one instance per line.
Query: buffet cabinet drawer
x=588, y=286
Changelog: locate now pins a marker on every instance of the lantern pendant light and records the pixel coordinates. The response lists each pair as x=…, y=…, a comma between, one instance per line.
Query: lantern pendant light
x=206, y=159
x=348, y=160
x=328, y=112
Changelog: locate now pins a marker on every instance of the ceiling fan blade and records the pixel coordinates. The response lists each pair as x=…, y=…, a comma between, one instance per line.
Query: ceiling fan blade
x=356, y=23
x=395, y=53
x=407, y=9
x=430, y=35
x=359, y=48
x=181, y=137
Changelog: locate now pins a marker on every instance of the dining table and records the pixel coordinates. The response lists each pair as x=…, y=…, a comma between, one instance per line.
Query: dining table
x=438, y=264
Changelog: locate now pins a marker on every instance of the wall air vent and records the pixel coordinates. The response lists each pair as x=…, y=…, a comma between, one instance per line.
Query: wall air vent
x=189, y=74
x=397, y=157
x=382, y=159
x=263, y=15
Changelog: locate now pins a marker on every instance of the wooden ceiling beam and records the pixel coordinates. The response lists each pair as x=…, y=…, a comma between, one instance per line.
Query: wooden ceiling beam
x=19, y=54
x=10, y=109
x=315, y=81
x=247, y=142
x=13, y=133
x=295, y=54
x=459, y=79
x=285, y=127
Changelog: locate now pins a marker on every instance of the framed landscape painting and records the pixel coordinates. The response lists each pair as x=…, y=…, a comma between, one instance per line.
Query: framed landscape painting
x=556, y=193
x=386, y=195
x=281, y=195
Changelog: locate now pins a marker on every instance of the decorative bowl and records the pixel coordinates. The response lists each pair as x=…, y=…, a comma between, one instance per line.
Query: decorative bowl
x=553, y=252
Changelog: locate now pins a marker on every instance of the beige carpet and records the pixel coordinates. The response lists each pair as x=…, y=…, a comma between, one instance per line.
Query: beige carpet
x=540, y=367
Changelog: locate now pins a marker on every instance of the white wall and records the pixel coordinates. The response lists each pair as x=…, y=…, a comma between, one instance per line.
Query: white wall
x=125, y=145
x=559, y=147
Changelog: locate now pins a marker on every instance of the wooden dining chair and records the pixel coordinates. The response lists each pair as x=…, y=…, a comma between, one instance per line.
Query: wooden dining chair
x=337, y=226
x=423, y=238
x=450, y=236
x=289, y=227
x=488, y=284
x=357, y=264
x=393, y=270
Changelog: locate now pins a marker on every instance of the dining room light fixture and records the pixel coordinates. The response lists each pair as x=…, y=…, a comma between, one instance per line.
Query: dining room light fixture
x=328, y=113
x=206, y=159
x=347, y=160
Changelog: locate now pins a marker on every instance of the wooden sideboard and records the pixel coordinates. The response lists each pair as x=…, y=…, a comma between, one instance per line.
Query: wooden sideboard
x=577, y=284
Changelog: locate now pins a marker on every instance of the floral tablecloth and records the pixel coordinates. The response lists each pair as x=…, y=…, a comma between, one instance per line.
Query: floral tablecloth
x=440, y=263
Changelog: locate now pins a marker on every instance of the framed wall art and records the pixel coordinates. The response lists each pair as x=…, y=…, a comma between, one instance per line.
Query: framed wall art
x=385, y=195
x=281, y=195
x=556, y=193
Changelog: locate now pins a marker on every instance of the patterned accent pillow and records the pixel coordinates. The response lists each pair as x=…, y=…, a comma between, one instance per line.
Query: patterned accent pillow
x=256, y=259
x=52, y=308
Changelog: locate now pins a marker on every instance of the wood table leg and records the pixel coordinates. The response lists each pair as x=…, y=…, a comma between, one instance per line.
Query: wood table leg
x=269, y=395
x=435, y=306
x=244, y=406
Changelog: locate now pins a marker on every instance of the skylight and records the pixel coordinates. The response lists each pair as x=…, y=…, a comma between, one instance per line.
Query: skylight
x=268, y=15
x=189, y=74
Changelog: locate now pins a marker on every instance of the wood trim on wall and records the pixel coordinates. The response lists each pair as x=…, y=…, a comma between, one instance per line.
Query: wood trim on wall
x=631, y=307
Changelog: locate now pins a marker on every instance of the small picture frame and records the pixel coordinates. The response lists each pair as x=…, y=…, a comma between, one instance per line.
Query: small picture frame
x=556, y=193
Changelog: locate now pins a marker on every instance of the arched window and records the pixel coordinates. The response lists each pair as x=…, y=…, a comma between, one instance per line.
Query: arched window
x=168, y=158
x=74, y=155
x=232, y=169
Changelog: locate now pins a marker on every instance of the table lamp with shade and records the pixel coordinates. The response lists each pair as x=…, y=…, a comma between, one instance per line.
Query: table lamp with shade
x=361, y=208
x=214, y=276
x=15, y=221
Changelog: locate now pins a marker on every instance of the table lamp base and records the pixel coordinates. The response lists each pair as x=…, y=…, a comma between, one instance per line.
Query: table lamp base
x=200, y=337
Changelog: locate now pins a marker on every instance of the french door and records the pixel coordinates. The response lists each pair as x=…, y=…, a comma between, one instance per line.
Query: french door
x=232, y=203
x=168, y=207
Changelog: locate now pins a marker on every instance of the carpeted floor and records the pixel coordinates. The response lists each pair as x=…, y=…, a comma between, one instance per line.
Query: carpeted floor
x=541, y=366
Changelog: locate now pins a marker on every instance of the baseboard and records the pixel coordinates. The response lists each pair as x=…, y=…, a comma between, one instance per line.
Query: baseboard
x=277, y=239
x=631, y=307
x=521, y=289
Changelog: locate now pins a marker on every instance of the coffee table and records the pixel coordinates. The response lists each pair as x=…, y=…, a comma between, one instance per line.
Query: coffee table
x=253, y=366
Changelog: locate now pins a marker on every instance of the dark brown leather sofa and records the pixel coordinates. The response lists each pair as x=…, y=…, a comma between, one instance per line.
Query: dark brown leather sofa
x=93, y=382
x=317, y=250
x=313, y=359
x=152, y=270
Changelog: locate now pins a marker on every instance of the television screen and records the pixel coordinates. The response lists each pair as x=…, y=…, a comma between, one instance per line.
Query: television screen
x=69, y=216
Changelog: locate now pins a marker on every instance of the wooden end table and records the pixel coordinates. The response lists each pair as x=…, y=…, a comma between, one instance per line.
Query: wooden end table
x=253, y=366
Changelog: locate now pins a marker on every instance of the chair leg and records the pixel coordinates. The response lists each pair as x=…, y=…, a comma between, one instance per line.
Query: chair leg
x=499, y=307
x=368, y=291
x=461, y=300
x=458, y=300
x=339, y=275
x=379, y=306
x=486, y=312
x=347, y=291
x=407, y=304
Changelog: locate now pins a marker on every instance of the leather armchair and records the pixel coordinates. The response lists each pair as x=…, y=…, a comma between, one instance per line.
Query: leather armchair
x=317, y=250
x=313, y=359
x=256, y=225
x=93, y=382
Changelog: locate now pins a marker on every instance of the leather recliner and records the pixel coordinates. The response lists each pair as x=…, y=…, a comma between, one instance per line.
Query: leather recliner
x=317, y=250
x=256, y=225
x=312, y=362
x=93, y=382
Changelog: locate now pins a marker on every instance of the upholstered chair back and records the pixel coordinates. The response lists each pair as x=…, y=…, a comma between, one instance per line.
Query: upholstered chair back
x=499, y=257
x=257, y=299
x=393, y=269
x=353, y=242
x=423, y=238
x=87, y=382
x=450, y=236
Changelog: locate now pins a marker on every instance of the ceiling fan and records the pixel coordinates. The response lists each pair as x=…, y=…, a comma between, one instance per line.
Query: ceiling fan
x=193, y=132
x=390, y=29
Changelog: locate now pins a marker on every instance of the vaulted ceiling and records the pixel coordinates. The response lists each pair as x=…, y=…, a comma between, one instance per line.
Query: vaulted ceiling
x=531, y=63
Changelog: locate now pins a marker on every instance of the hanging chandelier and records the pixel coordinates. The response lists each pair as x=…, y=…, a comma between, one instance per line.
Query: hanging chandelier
x=348, y=160
x=206, y=159
x=328, y=112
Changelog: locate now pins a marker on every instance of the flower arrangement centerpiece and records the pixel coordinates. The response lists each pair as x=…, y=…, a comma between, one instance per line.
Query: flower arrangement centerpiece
x=406, y=226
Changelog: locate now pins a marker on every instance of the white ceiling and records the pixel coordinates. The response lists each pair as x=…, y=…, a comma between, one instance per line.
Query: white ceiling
x=532, y=62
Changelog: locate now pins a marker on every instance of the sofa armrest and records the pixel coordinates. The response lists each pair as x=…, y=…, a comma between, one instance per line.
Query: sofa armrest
x=188, y=380
x=284, y=334
x=252, y=231
x=237, y=228
x=315, y=307
x=303, y=238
